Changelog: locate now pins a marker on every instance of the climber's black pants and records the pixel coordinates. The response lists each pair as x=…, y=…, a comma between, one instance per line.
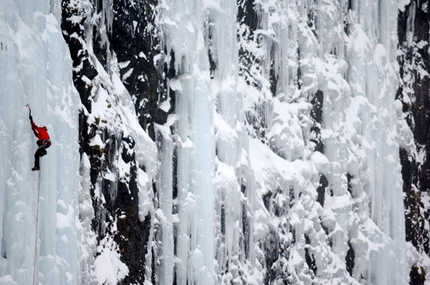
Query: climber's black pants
x=41, y=151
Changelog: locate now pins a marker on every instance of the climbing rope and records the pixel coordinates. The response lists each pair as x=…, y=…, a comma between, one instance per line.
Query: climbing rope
x=36, y=239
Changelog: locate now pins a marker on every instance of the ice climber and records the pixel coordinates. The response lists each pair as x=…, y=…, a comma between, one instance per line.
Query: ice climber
x=43, y=141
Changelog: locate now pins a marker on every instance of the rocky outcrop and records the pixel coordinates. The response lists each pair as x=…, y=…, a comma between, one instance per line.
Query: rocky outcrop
x=122, y=39
x=414, y=61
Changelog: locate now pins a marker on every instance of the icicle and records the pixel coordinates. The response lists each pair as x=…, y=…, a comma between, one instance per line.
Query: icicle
x=165, y=270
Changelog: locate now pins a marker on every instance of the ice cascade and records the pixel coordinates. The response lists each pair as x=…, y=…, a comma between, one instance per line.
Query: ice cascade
x=305, y=165
x=203, y=142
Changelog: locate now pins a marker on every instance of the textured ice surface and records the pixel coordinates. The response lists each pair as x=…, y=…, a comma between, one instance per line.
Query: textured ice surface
x=278, y=164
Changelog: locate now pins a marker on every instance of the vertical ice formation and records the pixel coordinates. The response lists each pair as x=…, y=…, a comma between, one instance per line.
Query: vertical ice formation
x=346, y=66
x=183, y=36
x=314, y=185
x=36, y=69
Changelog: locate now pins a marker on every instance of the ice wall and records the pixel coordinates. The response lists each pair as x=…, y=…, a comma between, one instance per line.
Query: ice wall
x=184, y=37
x=347, y=72
x=242, y=142
x=306, y=169
x=36, y=70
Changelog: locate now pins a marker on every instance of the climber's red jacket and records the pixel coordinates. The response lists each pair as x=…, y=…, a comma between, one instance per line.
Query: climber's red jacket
x=40, y=132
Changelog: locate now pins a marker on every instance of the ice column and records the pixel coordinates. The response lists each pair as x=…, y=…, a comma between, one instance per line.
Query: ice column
x=165, y=272
x=229, y=137
x=182, y=25
x=376, y=80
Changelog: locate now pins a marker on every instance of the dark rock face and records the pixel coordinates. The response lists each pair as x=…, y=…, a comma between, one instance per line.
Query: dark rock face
x=128, y=36
x=73, y=33
x=247, y=18
x=413, y=27
x=134, y=41
x=316, y=114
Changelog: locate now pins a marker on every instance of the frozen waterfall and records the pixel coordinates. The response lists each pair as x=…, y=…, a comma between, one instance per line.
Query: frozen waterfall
x=353, y=70
x=269, y=153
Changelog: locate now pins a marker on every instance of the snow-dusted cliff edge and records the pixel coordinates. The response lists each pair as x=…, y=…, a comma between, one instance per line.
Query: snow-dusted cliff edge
x=215, y=142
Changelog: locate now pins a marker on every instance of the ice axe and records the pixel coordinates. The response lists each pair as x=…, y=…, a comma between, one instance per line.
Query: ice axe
x=29, y=110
